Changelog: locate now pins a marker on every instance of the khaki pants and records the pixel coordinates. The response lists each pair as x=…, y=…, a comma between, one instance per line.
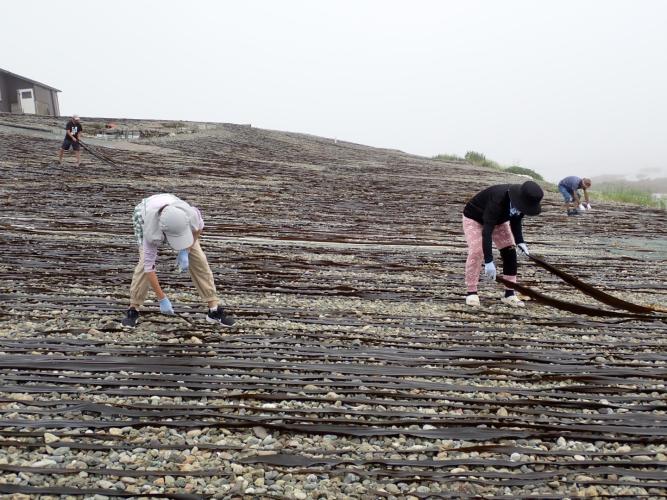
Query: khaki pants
x=200, y=272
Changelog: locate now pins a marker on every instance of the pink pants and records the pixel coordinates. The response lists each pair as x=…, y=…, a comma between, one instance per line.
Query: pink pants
x=502, y=237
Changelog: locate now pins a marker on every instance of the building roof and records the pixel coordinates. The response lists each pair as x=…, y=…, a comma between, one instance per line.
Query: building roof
x=29, y=80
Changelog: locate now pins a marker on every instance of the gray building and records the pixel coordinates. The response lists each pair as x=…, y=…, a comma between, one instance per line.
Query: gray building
x=19, y=94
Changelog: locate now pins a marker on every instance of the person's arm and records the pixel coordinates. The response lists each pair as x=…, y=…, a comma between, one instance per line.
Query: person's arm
x=586, y=195
x=489, y=218
x=487, y=231
x=517, y=231
x=155, y=284
x=150, y=259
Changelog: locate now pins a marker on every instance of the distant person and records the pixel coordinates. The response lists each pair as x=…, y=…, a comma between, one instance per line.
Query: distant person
x=569, y=188
x=495, y=215
x=73, y=131
x=166, y=217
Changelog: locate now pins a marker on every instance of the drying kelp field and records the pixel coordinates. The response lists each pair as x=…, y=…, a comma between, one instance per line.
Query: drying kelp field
x=355, y=369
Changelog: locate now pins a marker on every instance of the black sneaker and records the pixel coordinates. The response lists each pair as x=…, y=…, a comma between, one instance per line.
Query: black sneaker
x=574, y=211
x=218, y=316
x=130, y=321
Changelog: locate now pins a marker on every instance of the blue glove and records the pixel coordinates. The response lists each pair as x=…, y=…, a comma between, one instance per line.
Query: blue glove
x=165, y=307
x=182, y=261
x=490, y=270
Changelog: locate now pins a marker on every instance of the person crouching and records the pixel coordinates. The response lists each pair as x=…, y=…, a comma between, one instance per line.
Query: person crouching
x=494, y=215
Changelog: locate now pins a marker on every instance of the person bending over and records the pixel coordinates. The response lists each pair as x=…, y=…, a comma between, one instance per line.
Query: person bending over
x=494, y=215
x=569, y=188
x=165, y=217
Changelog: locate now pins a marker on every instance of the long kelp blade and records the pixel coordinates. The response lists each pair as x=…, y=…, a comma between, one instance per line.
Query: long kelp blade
x=590, y=290
x=569, y=306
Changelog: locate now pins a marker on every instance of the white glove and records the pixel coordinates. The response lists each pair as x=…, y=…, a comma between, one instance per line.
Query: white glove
x=490, y=270
x=524, y=248
x=588, y=206
x=581, y=206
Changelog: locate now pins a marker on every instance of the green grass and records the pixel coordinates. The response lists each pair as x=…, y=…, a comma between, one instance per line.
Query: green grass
x=448, y=158
x=516, y=169
x=625, y=194
x=480, y=160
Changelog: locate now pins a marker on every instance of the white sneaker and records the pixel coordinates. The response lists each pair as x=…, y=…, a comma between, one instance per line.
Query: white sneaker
x=472, y=300
x=513, y=301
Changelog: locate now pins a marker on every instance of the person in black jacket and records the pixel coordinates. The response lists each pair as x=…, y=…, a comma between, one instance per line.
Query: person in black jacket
x=494, y=215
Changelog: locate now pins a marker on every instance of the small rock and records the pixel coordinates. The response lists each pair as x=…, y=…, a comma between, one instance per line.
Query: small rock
x=591, y=491
x=515, y=457
x=115, y=431
x=272, y=474
x=50, y=438
x=350, y=478
x=47, y=462
x=502, y=412
x=260, y=432
x=392, y=488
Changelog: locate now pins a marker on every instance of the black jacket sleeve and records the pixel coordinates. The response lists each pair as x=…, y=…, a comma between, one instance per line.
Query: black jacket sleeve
x=517, y=232
x=487, y=231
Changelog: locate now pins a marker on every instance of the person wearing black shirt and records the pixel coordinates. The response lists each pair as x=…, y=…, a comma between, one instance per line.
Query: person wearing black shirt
x=494, y=216
x=73, y=130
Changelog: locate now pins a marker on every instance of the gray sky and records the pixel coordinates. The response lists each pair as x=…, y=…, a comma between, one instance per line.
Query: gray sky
x=563, y=87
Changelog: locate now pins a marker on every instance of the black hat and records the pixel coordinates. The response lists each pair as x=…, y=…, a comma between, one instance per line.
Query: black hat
x=526, y=197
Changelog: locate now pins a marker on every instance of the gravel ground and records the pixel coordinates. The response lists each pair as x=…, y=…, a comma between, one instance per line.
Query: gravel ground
x=355, y=369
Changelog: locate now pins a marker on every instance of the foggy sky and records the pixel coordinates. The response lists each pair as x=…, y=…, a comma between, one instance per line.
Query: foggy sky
x=563, y=87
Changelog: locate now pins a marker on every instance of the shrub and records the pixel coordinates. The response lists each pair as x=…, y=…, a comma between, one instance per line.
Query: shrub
x=475, y=157
x=446, y=157
x=479, y=159
x=515, y=169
